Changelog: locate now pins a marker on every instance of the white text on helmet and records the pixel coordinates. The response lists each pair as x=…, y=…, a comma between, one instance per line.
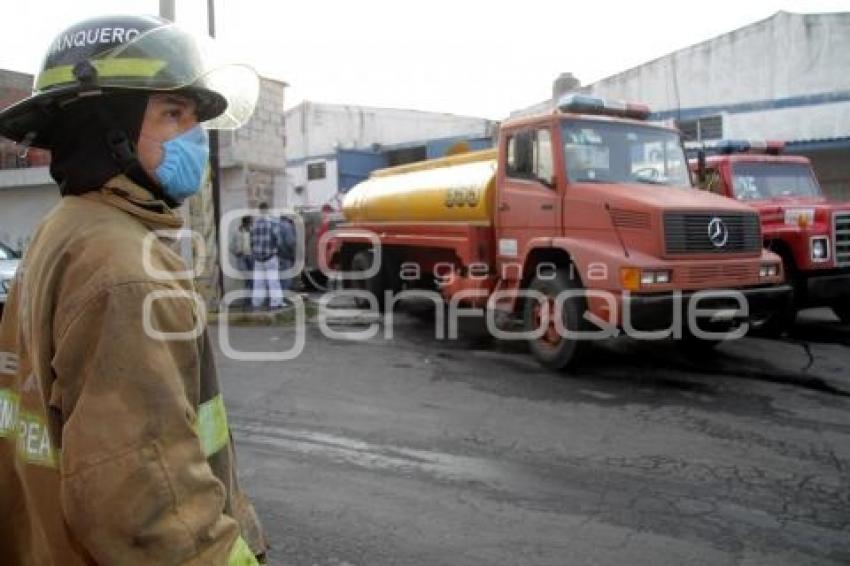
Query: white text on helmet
x=92, y=36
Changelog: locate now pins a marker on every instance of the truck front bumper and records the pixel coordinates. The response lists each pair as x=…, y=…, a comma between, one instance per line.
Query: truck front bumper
x=655, y=311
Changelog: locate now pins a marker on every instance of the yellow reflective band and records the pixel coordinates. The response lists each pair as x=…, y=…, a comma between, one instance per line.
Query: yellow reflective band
x=136, y=68
x=241, y=555
x=8, y=413
x=34, y=442
x=212, y=426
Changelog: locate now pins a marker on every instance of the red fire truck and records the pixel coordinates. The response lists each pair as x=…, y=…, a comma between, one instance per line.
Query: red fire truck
x=585, y=212
x=809, y=232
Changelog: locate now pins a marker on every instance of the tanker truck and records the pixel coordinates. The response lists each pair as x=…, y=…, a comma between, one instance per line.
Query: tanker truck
x=580, y=220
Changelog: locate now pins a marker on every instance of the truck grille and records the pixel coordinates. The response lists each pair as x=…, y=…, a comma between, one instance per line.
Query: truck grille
x=730, y=273
x=688, y=233
x=841, y=221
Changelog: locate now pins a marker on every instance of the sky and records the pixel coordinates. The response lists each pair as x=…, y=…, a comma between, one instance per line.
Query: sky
x=471, y=58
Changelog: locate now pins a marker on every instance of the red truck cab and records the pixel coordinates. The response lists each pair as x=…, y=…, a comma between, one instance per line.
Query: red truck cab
x=810, y=232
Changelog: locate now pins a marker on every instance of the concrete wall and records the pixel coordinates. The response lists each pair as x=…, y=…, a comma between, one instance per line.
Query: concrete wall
x=253, y=158
x=316, y=132
x=24, y=201
x=319, y=129
x=784, y=77
x=785, y=56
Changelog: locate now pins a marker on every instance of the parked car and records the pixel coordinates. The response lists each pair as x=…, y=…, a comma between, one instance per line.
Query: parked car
x=9, y=260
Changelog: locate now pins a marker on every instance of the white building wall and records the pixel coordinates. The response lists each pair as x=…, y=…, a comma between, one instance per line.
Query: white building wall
x=800, y=123
x=316, y=192
x=803, y=58
x=314, y=129
x=783, y=56
x=314, y=132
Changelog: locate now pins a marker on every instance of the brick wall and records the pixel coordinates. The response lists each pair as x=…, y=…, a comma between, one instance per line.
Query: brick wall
x=14, y=87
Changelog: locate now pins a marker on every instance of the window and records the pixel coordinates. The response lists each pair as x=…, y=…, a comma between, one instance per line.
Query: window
x=707, y=128
x=620, y=152
x=407, y=155
x=754, y=181
x=530, y=156
x=316, y=171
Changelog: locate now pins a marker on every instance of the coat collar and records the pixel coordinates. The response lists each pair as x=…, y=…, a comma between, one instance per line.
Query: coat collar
x=137, y=201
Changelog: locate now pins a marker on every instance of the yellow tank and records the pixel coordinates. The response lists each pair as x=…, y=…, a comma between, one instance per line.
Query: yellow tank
x=451, y=189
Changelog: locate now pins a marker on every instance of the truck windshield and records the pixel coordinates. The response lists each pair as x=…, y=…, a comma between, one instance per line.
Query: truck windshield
x=754, y=181
x=612, y=152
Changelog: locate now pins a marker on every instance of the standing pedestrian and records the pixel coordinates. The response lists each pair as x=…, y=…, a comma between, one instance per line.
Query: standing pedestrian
x=265, y=247
x=114, y=444
x=287, y=252
x=240, y=248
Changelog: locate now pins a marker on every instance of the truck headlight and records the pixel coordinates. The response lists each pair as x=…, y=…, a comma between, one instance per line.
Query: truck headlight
x=768, y=270
x=654, y=277
x=820, y=248
x=634, y=278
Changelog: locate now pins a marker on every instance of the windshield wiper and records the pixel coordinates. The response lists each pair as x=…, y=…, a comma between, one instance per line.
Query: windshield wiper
x=588, y=180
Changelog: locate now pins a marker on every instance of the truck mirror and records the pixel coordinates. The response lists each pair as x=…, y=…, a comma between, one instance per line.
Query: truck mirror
x=701, y=167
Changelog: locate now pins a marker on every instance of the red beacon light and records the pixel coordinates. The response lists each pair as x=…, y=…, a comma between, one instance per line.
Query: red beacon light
x=586, y=104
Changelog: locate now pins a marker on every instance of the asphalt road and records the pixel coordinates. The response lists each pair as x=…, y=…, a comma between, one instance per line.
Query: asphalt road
x=415, y=451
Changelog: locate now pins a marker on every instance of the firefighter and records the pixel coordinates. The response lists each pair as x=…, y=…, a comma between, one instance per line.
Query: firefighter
x=114, y=444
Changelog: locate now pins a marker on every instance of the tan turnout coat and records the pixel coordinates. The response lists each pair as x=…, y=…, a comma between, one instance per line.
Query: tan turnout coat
x=114, y=446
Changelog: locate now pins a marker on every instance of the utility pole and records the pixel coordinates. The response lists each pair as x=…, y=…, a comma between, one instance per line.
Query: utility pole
x=166, y=10
x=215, y=176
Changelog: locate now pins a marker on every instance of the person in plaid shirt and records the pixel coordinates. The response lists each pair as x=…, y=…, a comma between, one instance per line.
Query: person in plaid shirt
x=266, y=238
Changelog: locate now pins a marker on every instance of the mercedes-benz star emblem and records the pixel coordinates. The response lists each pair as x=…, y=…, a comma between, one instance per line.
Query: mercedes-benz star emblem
x=718, y=233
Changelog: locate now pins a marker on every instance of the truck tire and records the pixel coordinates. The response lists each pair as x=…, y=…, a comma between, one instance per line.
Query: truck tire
x=362, y=261
x=842, y=310
x=781, y=321
x=553, y=350
x=386, y=279
x=778, y=323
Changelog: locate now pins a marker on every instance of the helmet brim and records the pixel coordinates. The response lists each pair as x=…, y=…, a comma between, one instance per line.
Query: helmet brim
x=33, y=118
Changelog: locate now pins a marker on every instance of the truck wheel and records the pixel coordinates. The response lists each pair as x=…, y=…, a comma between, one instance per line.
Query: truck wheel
x=386, y=279
x=842, y=310
x=777, y=323
x=362, y=261
x=314, y=280
x=553, y=350
x=781, y=321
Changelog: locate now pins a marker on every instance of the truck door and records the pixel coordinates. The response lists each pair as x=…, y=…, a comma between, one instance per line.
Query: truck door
x=528, y=203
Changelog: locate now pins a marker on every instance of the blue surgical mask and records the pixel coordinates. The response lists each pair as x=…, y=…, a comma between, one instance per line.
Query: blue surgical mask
x=184, y=163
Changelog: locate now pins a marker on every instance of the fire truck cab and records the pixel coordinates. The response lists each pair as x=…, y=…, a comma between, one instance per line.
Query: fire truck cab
x=810, y=232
